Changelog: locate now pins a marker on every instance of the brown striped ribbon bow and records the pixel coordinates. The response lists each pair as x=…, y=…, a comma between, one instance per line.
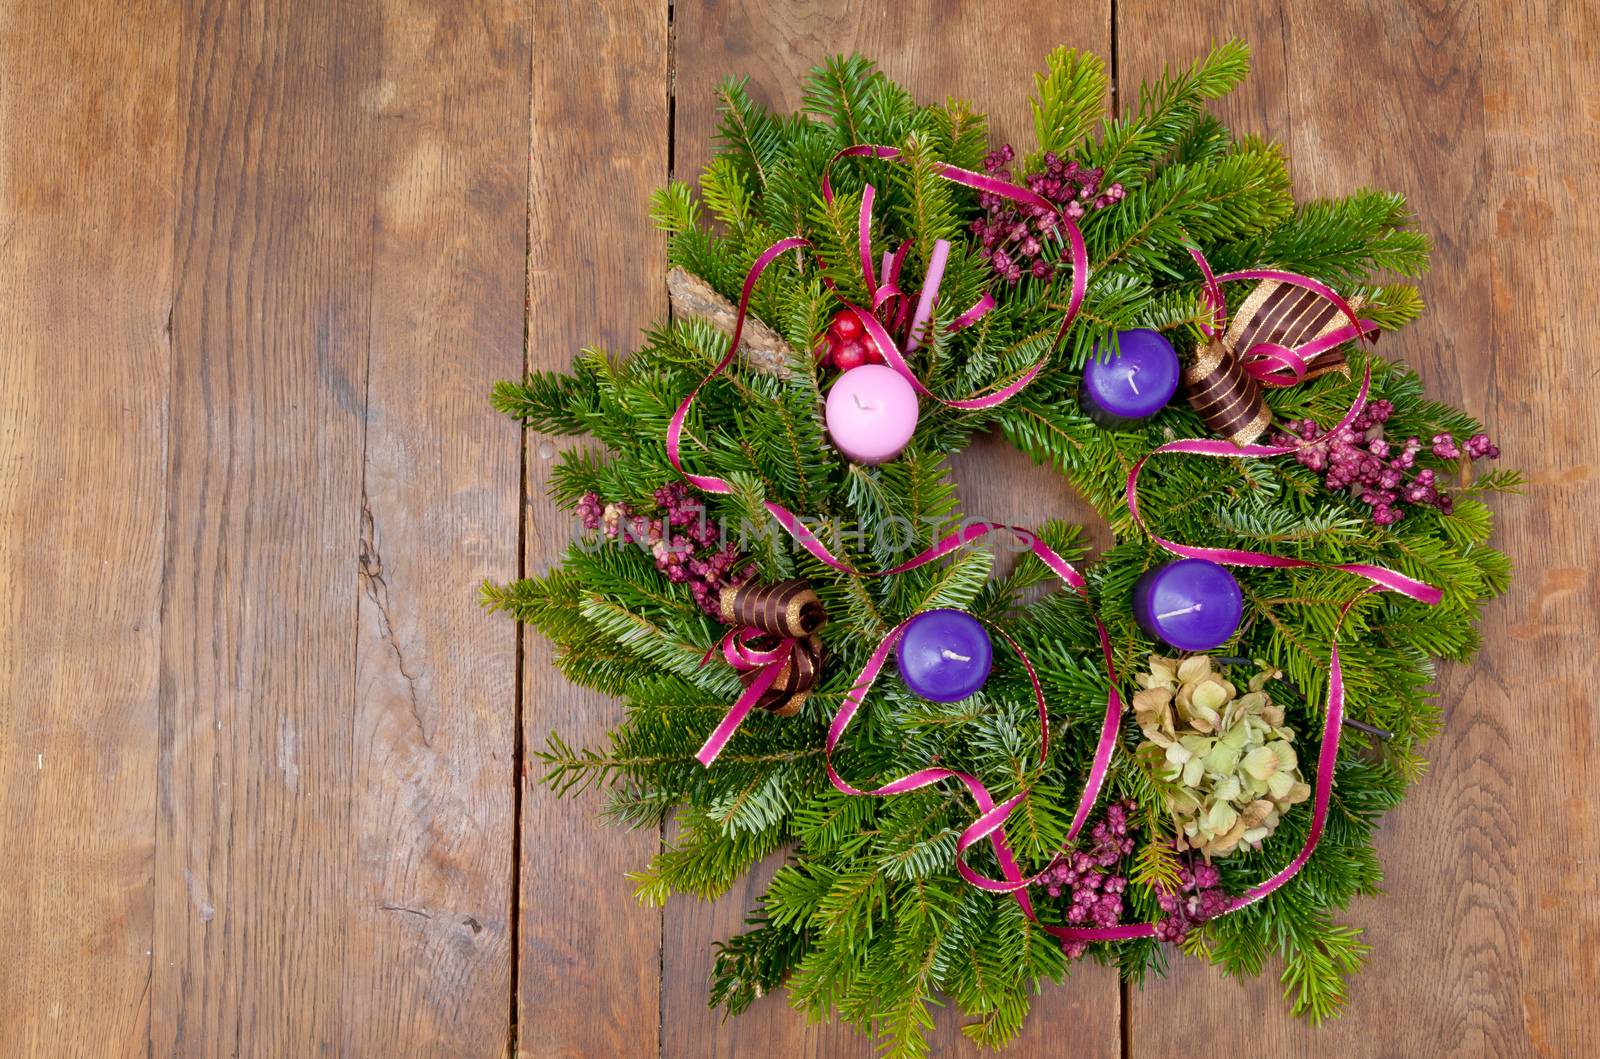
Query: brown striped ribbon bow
x=769, y=615
x=1288, y=329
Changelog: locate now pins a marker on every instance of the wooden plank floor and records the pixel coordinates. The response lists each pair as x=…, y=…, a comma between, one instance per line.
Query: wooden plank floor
x=260, y=752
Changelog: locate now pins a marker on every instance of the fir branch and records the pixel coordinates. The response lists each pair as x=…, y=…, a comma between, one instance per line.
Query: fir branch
x=1069, y=99
x=748, y=133
x=837, y=91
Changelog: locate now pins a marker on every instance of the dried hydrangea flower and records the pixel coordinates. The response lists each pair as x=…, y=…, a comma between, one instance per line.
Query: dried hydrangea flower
x=1226, y=761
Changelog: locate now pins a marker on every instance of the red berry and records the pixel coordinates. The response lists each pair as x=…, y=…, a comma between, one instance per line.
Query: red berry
x=845, y=325
x=874, y=356
x=823, y=347
x=849, y=354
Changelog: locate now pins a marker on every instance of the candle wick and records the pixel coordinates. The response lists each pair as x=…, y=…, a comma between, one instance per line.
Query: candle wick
x=945, y=652
x=864, y=407
x=1190, y=609
x=1133, y=385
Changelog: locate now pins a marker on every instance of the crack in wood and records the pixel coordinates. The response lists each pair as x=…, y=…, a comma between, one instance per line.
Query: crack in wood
x=422, y=912
x=377, y=590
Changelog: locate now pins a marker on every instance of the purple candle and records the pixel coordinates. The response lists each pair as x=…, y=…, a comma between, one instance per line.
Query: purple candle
x=1192, y=604
x=944, y=655
x=1125, y=389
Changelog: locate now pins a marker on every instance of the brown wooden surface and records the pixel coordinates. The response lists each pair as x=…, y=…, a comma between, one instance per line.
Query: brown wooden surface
x=87, y=163
x=430, y=919
x=335, y=804
x=590, y=955
x=259, y=748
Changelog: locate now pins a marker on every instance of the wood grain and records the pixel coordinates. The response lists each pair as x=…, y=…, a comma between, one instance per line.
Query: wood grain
x=1488, y=930
x=590, y=954
x=87, y=160
x=332, y=872
x=429, y=915
x=930, y=47
x=269, y=337
x=1541, y=101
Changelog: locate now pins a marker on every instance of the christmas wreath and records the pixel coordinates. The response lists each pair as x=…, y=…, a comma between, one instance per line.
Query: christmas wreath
x=1191, y=741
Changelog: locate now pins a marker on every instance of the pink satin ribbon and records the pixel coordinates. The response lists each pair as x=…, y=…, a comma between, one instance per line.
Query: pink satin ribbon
x=1381, y=576
x=742, y=658
x=879, y=296
x=1227, y=450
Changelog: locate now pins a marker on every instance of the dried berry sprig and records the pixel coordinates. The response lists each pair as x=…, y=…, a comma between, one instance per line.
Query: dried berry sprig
x=688, y=547
x=1198, y=897
x=1012, y=235
x=1090, y=878
x=1359, y=458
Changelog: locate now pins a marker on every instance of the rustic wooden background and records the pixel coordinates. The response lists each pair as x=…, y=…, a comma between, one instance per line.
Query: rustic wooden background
x=261, y=783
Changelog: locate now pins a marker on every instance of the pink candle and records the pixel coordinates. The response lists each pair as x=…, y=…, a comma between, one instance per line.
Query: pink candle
x=930, y=287
x=871, y=413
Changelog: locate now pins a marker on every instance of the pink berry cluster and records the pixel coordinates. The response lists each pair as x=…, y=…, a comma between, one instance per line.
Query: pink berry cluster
x=1199, y=897
x=1089, y=878
x=1013, y=234
x=686, y=545
x=1359, y=458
